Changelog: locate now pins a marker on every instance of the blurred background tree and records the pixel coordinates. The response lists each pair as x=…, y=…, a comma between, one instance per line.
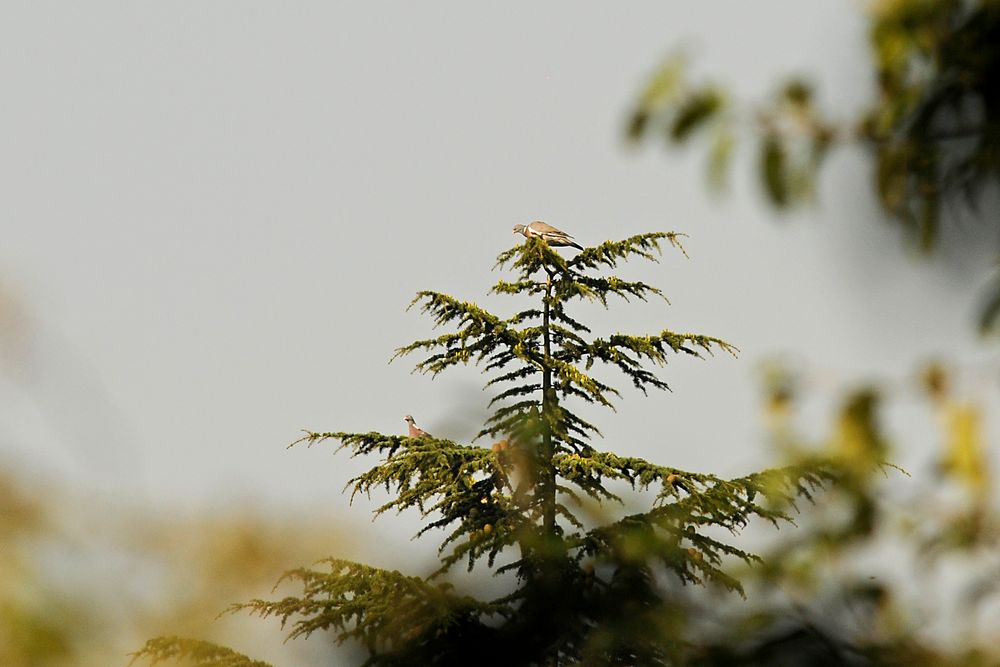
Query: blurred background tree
x=877, y=575
x=82, y=583
x=88, y=573
x=932, y=129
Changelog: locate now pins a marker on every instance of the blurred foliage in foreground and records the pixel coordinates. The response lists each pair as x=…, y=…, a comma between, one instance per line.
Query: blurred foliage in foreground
x=933, y=128
x=880, y=573
x=82, y=582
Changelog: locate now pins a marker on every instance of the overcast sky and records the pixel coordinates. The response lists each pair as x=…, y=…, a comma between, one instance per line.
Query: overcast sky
x=215, y=213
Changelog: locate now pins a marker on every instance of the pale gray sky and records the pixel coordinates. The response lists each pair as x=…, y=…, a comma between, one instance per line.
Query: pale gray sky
x=214, y=214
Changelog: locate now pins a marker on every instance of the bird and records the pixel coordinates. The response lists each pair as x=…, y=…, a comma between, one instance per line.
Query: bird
x=416, y=431
x=548, y=233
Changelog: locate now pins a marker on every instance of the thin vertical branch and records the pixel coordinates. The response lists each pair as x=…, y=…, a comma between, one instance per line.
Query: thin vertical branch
x=548, y=469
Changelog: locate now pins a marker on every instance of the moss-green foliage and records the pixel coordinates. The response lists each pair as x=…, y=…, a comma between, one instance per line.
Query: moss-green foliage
x=932, y=127
x=385, y=611
x=193, y=652
x=585, y=590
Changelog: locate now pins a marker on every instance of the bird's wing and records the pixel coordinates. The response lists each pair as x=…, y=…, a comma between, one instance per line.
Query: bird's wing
x=545, y=228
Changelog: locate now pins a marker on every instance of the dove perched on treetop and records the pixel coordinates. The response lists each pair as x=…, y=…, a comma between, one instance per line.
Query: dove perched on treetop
x=548, y=233
x=416, y=431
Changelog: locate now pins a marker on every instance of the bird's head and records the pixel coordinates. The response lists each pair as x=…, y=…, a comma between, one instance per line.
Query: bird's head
x=519, y=229
x=408, y=419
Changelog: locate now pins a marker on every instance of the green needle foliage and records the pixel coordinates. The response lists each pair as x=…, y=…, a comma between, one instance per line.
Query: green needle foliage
x=581, y=591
